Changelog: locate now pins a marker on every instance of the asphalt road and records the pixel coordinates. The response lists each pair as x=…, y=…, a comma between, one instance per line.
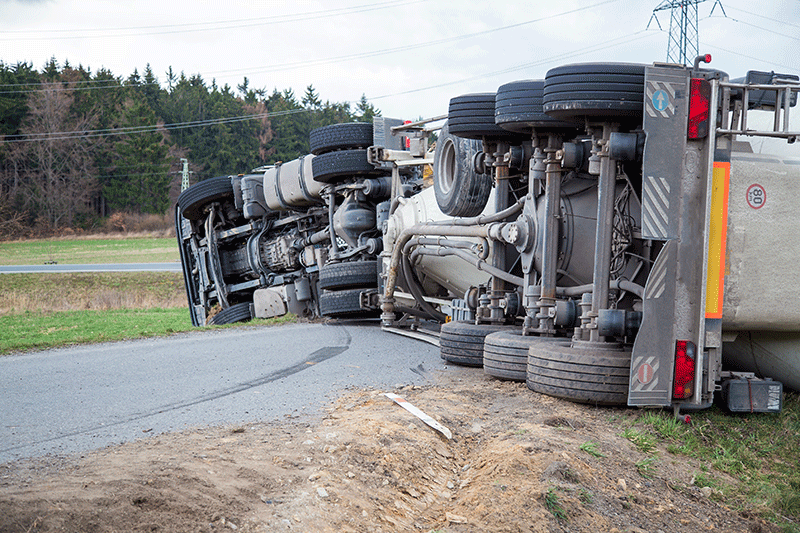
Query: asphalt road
x=69, y=400
x=115, y=267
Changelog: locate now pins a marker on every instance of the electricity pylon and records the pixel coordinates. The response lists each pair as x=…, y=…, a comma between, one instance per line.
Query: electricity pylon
x=683, y=45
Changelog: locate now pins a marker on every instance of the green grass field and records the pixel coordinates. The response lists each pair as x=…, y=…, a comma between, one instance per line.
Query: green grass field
x=40, y=311
x=32, y=330
x=37, y=331
x=89, y=250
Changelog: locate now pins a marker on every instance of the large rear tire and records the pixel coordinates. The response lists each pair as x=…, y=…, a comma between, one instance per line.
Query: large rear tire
x=472, y=116
x=343, y=304
x=595, y=91
x=343, y=136
x=353, y=275
x=460, y=190
x=586, y=374
x=505, y=353
x=518, y=108
x=240, y=312
x=193, y=200
x=462, y=342
x=335, y=166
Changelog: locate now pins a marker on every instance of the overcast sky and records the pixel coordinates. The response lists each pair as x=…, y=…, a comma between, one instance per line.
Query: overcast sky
x=408, y=57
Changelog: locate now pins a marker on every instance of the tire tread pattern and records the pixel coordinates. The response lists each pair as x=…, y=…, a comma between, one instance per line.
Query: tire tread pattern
x=595, y=91
x=343, y=304
x=352, y=275
x=579, y=375
x=192, y=201
x=240, y=312
x=335, y=166
x=344, y=136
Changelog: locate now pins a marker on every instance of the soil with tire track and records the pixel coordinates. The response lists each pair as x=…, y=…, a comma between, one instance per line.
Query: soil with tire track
x=514, y=464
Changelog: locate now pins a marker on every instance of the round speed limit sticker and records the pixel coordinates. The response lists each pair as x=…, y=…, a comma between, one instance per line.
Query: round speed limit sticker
x=756, y=196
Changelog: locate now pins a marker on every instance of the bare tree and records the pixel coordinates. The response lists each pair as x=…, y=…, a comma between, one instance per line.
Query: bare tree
x=55, y=160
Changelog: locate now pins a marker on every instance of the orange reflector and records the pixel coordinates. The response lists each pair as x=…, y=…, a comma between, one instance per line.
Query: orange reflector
x=683, y=385
x=717, y=237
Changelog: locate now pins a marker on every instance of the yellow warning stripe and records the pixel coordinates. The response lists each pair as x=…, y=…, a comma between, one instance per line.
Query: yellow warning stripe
x=717, y=234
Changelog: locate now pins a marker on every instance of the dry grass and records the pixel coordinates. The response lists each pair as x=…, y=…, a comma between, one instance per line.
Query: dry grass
x=119, y=225
x=20, y=293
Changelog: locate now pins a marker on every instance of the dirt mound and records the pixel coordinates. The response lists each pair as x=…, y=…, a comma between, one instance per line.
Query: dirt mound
x=518, y=462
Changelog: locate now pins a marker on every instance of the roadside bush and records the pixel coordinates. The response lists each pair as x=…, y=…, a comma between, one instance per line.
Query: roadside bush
x=134, y=223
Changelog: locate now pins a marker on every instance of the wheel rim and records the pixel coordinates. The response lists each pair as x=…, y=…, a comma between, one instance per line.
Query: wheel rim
x=447, y=166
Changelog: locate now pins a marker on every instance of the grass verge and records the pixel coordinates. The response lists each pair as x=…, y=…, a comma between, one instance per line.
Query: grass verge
x=32, y=330
x=750, y=460
x=94, y=250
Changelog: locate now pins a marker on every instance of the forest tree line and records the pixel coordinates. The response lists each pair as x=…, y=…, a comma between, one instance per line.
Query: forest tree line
x=77, y=146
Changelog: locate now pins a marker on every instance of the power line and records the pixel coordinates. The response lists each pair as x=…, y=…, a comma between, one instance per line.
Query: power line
x=385, y=51
x=23, y=84
x=793, y=37
x=405, y=48
x=111, y=132
x=770, y=62
x=600, y=46
x=222, y=25
x=787, y=23
x=51, y=87
x=228, y=120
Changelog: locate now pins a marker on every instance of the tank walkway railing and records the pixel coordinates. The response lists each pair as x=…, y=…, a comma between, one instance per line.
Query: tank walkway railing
x=736, y=100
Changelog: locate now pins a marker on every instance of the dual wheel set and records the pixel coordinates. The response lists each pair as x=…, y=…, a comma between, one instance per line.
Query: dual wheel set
x=549, y=365
x=340, y=153
x=571, y=98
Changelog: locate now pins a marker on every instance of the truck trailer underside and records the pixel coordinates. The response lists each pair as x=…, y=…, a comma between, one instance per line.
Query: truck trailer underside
x=604, y=235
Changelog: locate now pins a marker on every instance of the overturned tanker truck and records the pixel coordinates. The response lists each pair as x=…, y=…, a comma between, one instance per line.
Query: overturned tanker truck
x=605, y=234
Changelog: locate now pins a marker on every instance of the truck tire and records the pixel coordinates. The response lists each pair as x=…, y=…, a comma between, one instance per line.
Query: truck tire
x=505, y=353
x=187, y=266
x=462, y=342
x=335, y=166
x=472, y=116
x=192, y=201
x=343, y=304
x=460, y=190
x=353, y=275
x=518, y=108
x=595, y=91
x=583, y=375
x=343, y=136
x=240, y=312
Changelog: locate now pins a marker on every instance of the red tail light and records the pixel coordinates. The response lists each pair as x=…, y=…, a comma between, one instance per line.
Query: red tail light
x=699, y=108
x=683, y=385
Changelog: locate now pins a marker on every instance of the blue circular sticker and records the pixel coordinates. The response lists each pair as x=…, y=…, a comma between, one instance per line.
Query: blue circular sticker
x=660, y=100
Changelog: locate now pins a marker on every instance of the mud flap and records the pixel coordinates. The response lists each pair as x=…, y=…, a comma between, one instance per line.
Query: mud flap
x=653, y=358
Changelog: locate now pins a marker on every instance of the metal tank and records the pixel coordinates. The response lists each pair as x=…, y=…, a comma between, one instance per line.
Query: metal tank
x=761, y=315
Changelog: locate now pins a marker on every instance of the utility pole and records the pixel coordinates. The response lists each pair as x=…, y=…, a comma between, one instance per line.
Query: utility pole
x=683, y=45
x=185, y=174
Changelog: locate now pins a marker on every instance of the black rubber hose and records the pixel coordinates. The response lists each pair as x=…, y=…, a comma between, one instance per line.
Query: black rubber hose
x=415, y=289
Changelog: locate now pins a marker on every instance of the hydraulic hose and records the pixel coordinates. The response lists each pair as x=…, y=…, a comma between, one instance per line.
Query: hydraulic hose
x=416, y=291
x=478, y=263
x=459, y=227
